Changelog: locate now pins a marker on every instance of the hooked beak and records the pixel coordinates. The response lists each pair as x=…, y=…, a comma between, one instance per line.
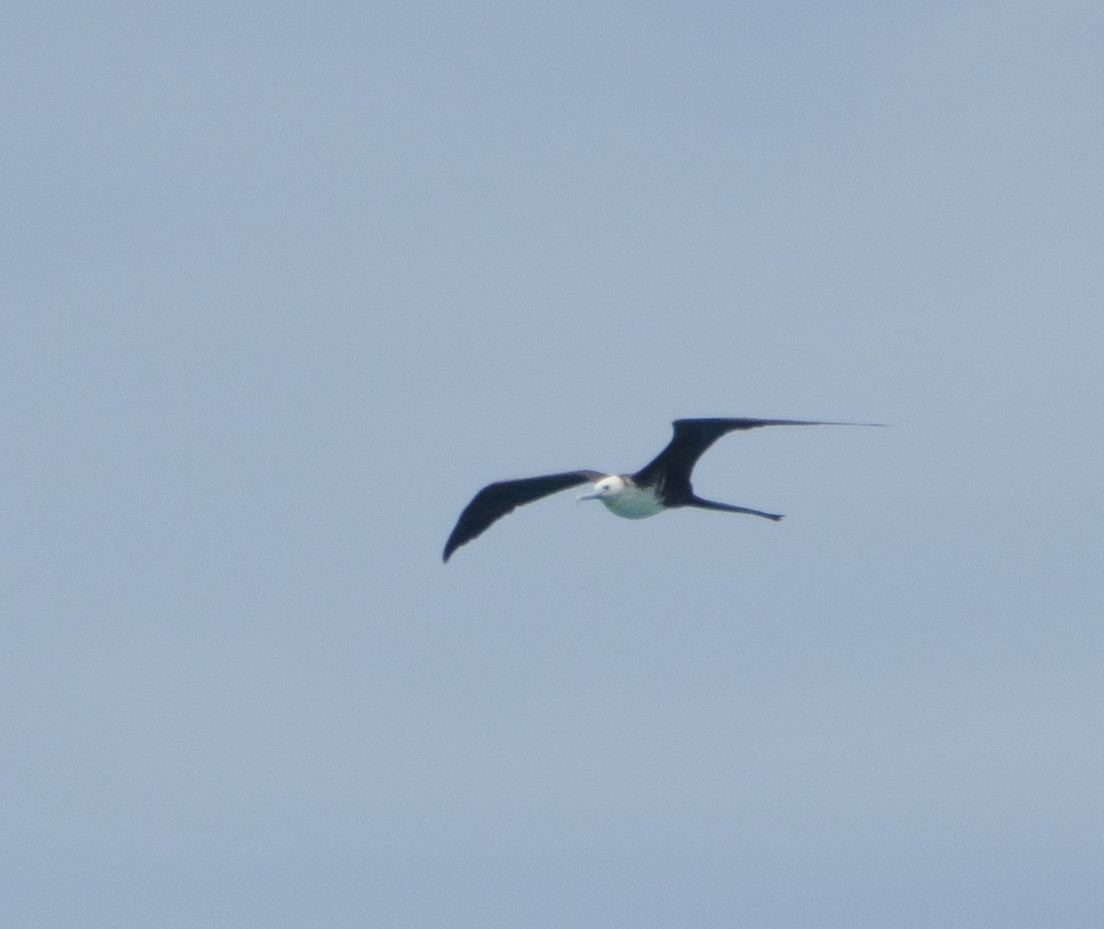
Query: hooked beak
x=593, y=495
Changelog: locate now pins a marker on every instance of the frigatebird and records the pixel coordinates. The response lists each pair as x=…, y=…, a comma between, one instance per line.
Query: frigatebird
x=662, y=484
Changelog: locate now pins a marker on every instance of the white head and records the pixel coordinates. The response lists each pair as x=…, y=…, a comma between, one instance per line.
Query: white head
x=607, y=487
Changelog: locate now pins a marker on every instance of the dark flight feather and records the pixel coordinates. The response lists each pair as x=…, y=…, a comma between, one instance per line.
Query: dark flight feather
x=496, y=500
x=671, y=468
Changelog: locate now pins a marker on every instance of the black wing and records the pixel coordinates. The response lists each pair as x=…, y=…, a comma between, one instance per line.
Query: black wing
x=496, y=500
x=673, y=465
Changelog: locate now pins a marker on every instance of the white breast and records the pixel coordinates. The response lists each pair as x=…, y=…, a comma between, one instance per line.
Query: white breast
x=633, y=503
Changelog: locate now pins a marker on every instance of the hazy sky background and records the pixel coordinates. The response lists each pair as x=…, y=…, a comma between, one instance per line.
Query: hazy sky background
x=284, y=285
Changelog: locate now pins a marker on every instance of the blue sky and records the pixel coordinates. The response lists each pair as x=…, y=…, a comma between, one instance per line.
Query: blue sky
x=285, y=285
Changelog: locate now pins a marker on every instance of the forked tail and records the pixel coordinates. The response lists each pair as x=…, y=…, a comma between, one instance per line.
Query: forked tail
x=728, y=508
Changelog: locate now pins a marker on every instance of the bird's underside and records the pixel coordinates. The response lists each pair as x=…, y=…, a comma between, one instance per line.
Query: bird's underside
x=663, y=483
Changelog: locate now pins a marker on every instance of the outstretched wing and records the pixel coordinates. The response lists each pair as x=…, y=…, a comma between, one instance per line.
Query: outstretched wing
x=496, y=500
x=693, y=436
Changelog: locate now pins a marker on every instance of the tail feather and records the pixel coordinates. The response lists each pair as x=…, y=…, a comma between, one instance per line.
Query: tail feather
x=729, y=508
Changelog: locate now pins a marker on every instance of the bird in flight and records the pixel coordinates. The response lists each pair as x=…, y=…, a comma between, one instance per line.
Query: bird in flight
x=662, y=484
